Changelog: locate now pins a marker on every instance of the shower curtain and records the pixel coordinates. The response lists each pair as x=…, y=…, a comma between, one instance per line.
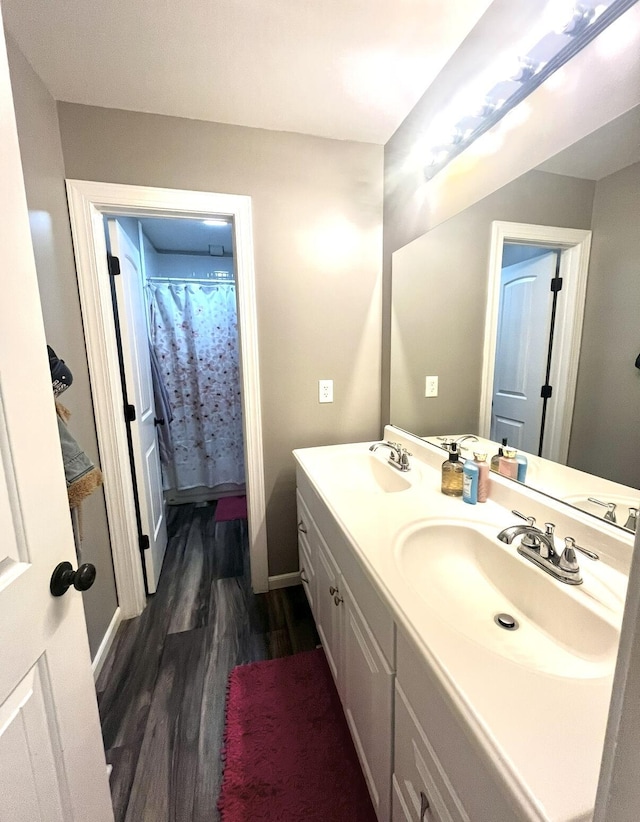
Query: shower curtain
x=194, y=332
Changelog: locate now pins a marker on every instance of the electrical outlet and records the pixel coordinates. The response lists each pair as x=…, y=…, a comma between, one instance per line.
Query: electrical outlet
x=431, y=386
x=325, y=390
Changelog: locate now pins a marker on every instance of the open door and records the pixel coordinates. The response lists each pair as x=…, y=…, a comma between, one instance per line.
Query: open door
x=52, y=764
x=134, y=333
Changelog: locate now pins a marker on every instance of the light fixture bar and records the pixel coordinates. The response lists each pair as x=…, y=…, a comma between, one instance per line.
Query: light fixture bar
x=532, y=77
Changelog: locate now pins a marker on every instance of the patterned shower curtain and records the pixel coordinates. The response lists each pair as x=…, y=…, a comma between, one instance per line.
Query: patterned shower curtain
x=194, y=331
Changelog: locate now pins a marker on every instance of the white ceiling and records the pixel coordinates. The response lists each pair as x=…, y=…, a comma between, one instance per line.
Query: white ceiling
x=186, y=236
x=346, y=69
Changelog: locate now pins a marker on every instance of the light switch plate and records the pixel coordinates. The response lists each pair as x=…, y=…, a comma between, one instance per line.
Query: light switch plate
x=325, y=390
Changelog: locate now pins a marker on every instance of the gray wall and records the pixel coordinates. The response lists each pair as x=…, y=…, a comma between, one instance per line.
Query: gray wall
x=43, y=169
x=317, y=217
x=605, y=438
x=439, y=299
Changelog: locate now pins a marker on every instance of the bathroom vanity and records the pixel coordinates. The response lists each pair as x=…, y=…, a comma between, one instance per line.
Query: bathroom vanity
x=456, y=714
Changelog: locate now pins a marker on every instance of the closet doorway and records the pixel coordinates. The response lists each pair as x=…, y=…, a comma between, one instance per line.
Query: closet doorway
x=89, y=203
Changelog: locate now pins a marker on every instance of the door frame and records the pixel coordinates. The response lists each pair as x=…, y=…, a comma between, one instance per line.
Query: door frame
x=574, y=266
x=89, y=202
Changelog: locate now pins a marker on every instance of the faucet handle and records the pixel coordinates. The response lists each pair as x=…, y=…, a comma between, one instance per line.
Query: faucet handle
x=570, y=542
x=530, y=520
x=568, y=560
x=632, y=521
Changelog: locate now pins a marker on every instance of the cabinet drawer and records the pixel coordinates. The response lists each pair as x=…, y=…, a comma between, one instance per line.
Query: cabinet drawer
x=424, y=791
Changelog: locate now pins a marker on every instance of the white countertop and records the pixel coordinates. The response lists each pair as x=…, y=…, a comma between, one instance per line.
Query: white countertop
x=541, y=732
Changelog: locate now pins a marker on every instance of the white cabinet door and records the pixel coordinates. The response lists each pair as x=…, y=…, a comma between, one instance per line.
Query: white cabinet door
x=367, y=683
x=422, y=791
x=329, y=610
x=134, y=332
x=52, y=765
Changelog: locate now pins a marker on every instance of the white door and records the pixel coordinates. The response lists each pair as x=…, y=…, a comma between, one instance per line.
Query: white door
x=522, y=347
x=134, y=332
x=52, y=765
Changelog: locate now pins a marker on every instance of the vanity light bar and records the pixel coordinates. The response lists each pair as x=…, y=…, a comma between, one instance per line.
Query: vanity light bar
x=551, y=52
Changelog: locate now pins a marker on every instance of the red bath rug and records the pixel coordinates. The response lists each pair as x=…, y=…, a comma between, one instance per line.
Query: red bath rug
x=288, y=751
x=230, y=508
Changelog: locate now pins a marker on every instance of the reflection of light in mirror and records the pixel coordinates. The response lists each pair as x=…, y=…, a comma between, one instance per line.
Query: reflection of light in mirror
x=616, y=39
x=333, y=243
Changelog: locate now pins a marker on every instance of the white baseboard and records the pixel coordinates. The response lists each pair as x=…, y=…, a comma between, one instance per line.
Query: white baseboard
x=284, y=580
x=105, y=645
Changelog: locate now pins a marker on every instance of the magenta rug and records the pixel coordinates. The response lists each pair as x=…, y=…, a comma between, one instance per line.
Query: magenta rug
x=288, y=752
x=230, y=508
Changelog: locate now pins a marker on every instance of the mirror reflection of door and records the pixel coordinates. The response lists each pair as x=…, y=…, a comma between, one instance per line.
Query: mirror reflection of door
x=524, y=345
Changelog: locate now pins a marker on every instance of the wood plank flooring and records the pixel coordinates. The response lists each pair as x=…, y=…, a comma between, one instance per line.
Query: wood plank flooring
x=162, y=690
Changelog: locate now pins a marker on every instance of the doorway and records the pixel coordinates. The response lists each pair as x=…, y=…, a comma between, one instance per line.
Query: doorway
x=535, y=416
x=176, y=318
x=89, y=202
x=530, y=286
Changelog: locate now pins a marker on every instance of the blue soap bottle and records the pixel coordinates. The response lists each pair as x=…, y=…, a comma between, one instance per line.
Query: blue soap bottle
x=522, y=467
x=470, y=476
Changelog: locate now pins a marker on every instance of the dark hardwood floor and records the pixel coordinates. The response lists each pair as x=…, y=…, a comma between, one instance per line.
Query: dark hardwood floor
x=162, y=690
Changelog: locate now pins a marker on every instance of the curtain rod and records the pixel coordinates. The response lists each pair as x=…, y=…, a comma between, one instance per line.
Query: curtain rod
x=197, y=280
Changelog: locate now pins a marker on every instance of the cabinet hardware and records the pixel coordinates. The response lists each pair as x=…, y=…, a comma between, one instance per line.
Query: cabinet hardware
x=303, y=576
x=424, y=805
x=302, y=527
x=333, y=590
x=338, y=599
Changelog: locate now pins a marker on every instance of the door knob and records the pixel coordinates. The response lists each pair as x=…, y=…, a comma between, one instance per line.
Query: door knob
x=64, y=577
x=158, y=421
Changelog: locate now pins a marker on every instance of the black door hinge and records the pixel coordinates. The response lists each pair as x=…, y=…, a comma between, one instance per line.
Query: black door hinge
x=143, y=542
x=130, y=413
x=114, y=265
x=556, y=284
x=545, y=392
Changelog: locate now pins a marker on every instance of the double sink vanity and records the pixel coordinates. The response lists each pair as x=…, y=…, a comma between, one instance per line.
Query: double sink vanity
x=475, y=685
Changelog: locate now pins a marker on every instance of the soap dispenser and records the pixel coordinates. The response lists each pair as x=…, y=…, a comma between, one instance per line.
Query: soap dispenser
x=508, y=465
x=470, y=476
x=484, y=482
x=495, y=459
x=452, y=476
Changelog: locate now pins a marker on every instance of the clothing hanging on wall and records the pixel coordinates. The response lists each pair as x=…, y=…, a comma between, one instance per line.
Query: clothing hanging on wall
x=195, y=335
x=81, y=474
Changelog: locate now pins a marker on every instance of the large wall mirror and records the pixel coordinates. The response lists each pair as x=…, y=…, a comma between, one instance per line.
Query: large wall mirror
x=440, y=286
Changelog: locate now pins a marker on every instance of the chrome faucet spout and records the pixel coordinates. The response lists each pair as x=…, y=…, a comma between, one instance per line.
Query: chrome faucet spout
x=539, y=547
x=399, y=456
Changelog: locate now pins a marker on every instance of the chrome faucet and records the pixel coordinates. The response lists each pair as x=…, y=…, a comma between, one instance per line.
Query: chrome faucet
x=632, y=520
x=460, y=440
x=610, y=516
x=399, y=456
x=539, y=547
x=447, y=442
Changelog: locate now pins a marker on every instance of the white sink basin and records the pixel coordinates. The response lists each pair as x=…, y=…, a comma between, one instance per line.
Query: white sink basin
x=466, y=577
x=368, y=472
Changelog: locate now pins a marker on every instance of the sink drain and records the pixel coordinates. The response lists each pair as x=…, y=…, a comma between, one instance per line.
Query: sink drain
x=506, y=621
